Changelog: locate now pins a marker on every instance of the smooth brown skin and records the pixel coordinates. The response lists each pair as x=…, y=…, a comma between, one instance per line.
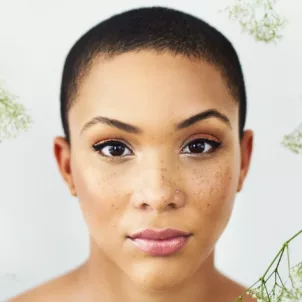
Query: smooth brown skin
x=152, y=91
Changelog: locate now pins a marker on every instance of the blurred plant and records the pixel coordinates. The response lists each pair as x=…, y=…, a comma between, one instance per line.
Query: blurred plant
x=260, y=19
x=280, y=292
x=13, y=117
x=257, y=17
x=293, y=141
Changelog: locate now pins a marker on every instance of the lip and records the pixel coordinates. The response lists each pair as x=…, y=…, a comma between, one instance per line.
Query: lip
x=160, y=243
x=159, y=234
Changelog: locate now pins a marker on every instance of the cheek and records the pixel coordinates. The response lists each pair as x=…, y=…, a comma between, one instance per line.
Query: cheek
x=214, y=188
x=98, y=196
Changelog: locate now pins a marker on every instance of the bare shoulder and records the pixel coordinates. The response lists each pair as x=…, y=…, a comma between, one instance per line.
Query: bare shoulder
x=239, y=290
x=52, y=290
x=232, y=290
x=58, y=289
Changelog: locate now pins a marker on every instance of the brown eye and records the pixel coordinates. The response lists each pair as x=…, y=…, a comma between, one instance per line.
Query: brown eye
x=201, y=146
x=112, y=149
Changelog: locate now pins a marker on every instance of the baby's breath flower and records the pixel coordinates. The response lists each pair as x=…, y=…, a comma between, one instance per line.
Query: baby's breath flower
x=293, y=141
x=296, y=277
x=258, y=18
x=280, y=291
x=13, y=117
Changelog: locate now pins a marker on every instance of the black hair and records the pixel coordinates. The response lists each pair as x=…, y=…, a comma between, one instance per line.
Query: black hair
x=151, y=28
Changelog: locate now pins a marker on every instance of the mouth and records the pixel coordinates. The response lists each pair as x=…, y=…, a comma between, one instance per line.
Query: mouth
x=160, y=243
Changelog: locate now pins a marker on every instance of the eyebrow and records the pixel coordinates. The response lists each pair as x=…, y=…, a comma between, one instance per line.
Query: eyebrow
x=211, y=113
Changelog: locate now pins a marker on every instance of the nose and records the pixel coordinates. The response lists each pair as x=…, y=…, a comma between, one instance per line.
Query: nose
x=157, y=193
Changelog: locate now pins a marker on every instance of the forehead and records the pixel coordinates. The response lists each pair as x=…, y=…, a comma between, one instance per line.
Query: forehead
x=148, y=87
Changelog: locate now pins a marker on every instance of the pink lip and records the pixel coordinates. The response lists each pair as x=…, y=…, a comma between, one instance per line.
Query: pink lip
x=160, y=243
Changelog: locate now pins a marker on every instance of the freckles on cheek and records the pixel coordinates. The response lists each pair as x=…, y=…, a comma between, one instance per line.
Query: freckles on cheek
x=223, y=188
x=215, y=189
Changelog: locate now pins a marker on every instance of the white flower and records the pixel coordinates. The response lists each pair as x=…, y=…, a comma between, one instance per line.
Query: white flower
x=258, y=18
x=293, y=141
x=13, y=117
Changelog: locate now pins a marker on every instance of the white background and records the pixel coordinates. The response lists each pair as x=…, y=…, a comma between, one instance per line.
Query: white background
x=42, y=233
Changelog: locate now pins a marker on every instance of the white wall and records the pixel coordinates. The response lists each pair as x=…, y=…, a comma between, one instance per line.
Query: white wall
x=42, y=233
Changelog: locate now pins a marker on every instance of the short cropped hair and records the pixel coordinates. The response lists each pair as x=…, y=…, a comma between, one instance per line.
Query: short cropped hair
x=159, y=29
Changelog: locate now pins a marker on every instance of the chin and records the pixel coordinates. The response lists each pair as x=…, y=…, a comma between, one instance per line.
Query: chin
x=160, y=274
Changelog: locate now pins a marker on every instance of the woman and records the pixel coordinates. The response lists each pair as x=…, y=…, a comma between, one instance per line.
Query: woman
x=153, y=109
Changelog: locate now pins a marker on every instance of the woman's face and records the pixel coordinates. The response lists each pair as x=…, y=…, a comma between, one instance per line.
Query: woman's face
x=128, y=180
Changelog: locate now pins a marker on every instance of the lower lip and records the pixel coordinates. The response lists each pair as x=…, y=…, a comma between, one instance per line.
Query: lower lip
x=160, y=247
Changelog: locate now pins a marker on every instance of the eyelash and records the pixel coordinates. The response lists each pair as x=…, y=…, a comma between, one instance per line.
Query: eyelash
x=215, y=145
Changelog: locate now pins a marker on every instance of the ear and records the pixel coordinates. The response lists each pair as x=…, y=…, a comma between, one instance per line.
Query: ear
x=62, y=153
x=246, y=153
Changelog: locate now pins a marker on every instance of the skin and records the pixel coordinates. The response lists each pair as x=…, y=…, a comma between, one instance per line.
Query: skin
x=119, y=196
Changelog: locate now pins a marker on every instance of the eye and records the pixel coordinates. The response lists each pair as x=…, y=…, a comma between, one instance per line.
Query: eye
x=112, y=148
x=202, y=146
x=118, y=149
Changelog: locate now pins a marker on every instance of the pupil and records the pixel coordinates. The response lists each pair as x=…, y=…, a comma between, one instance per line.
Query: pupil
x=196, y=147
x=117, y=149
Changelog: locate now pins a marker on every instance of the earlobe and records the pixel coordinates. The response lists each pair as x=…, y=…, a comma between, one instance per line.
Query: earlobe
x=240, y=182
x=239, y=186
x=73, y=192
x=61, y=150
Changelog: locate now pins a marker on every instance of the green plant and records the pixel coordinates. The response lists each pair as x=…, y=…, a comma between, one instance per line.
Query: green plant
x=260, y=19
x=257, y=17
x=13, y=116
x=280, y=291
x=293, y=141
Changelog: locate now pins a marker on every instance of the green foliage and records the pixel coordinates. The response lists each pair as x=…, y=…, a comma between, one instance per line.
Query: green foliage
x=13, y=116
x=280, y=291
x=293, y=141
x=258, y=18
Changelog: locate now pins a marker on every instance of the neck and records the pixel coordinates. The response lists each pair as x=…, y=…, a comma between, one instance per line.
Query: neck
x=105, y=281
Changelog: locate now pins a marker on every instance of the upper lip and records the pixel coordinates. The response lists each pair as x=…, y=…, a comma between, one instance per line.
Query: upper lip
x=159, y=234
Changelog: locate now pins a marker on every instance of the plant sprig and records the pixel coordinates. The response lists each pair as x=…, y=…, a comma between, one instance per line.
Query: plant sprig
x=259, y=18
x=293, y=141
x=13, y=116
x=280, y=292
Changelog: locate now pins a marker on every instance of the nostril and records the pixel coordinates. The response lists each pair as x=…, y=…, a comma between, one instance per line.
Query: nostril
x=144, y=205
